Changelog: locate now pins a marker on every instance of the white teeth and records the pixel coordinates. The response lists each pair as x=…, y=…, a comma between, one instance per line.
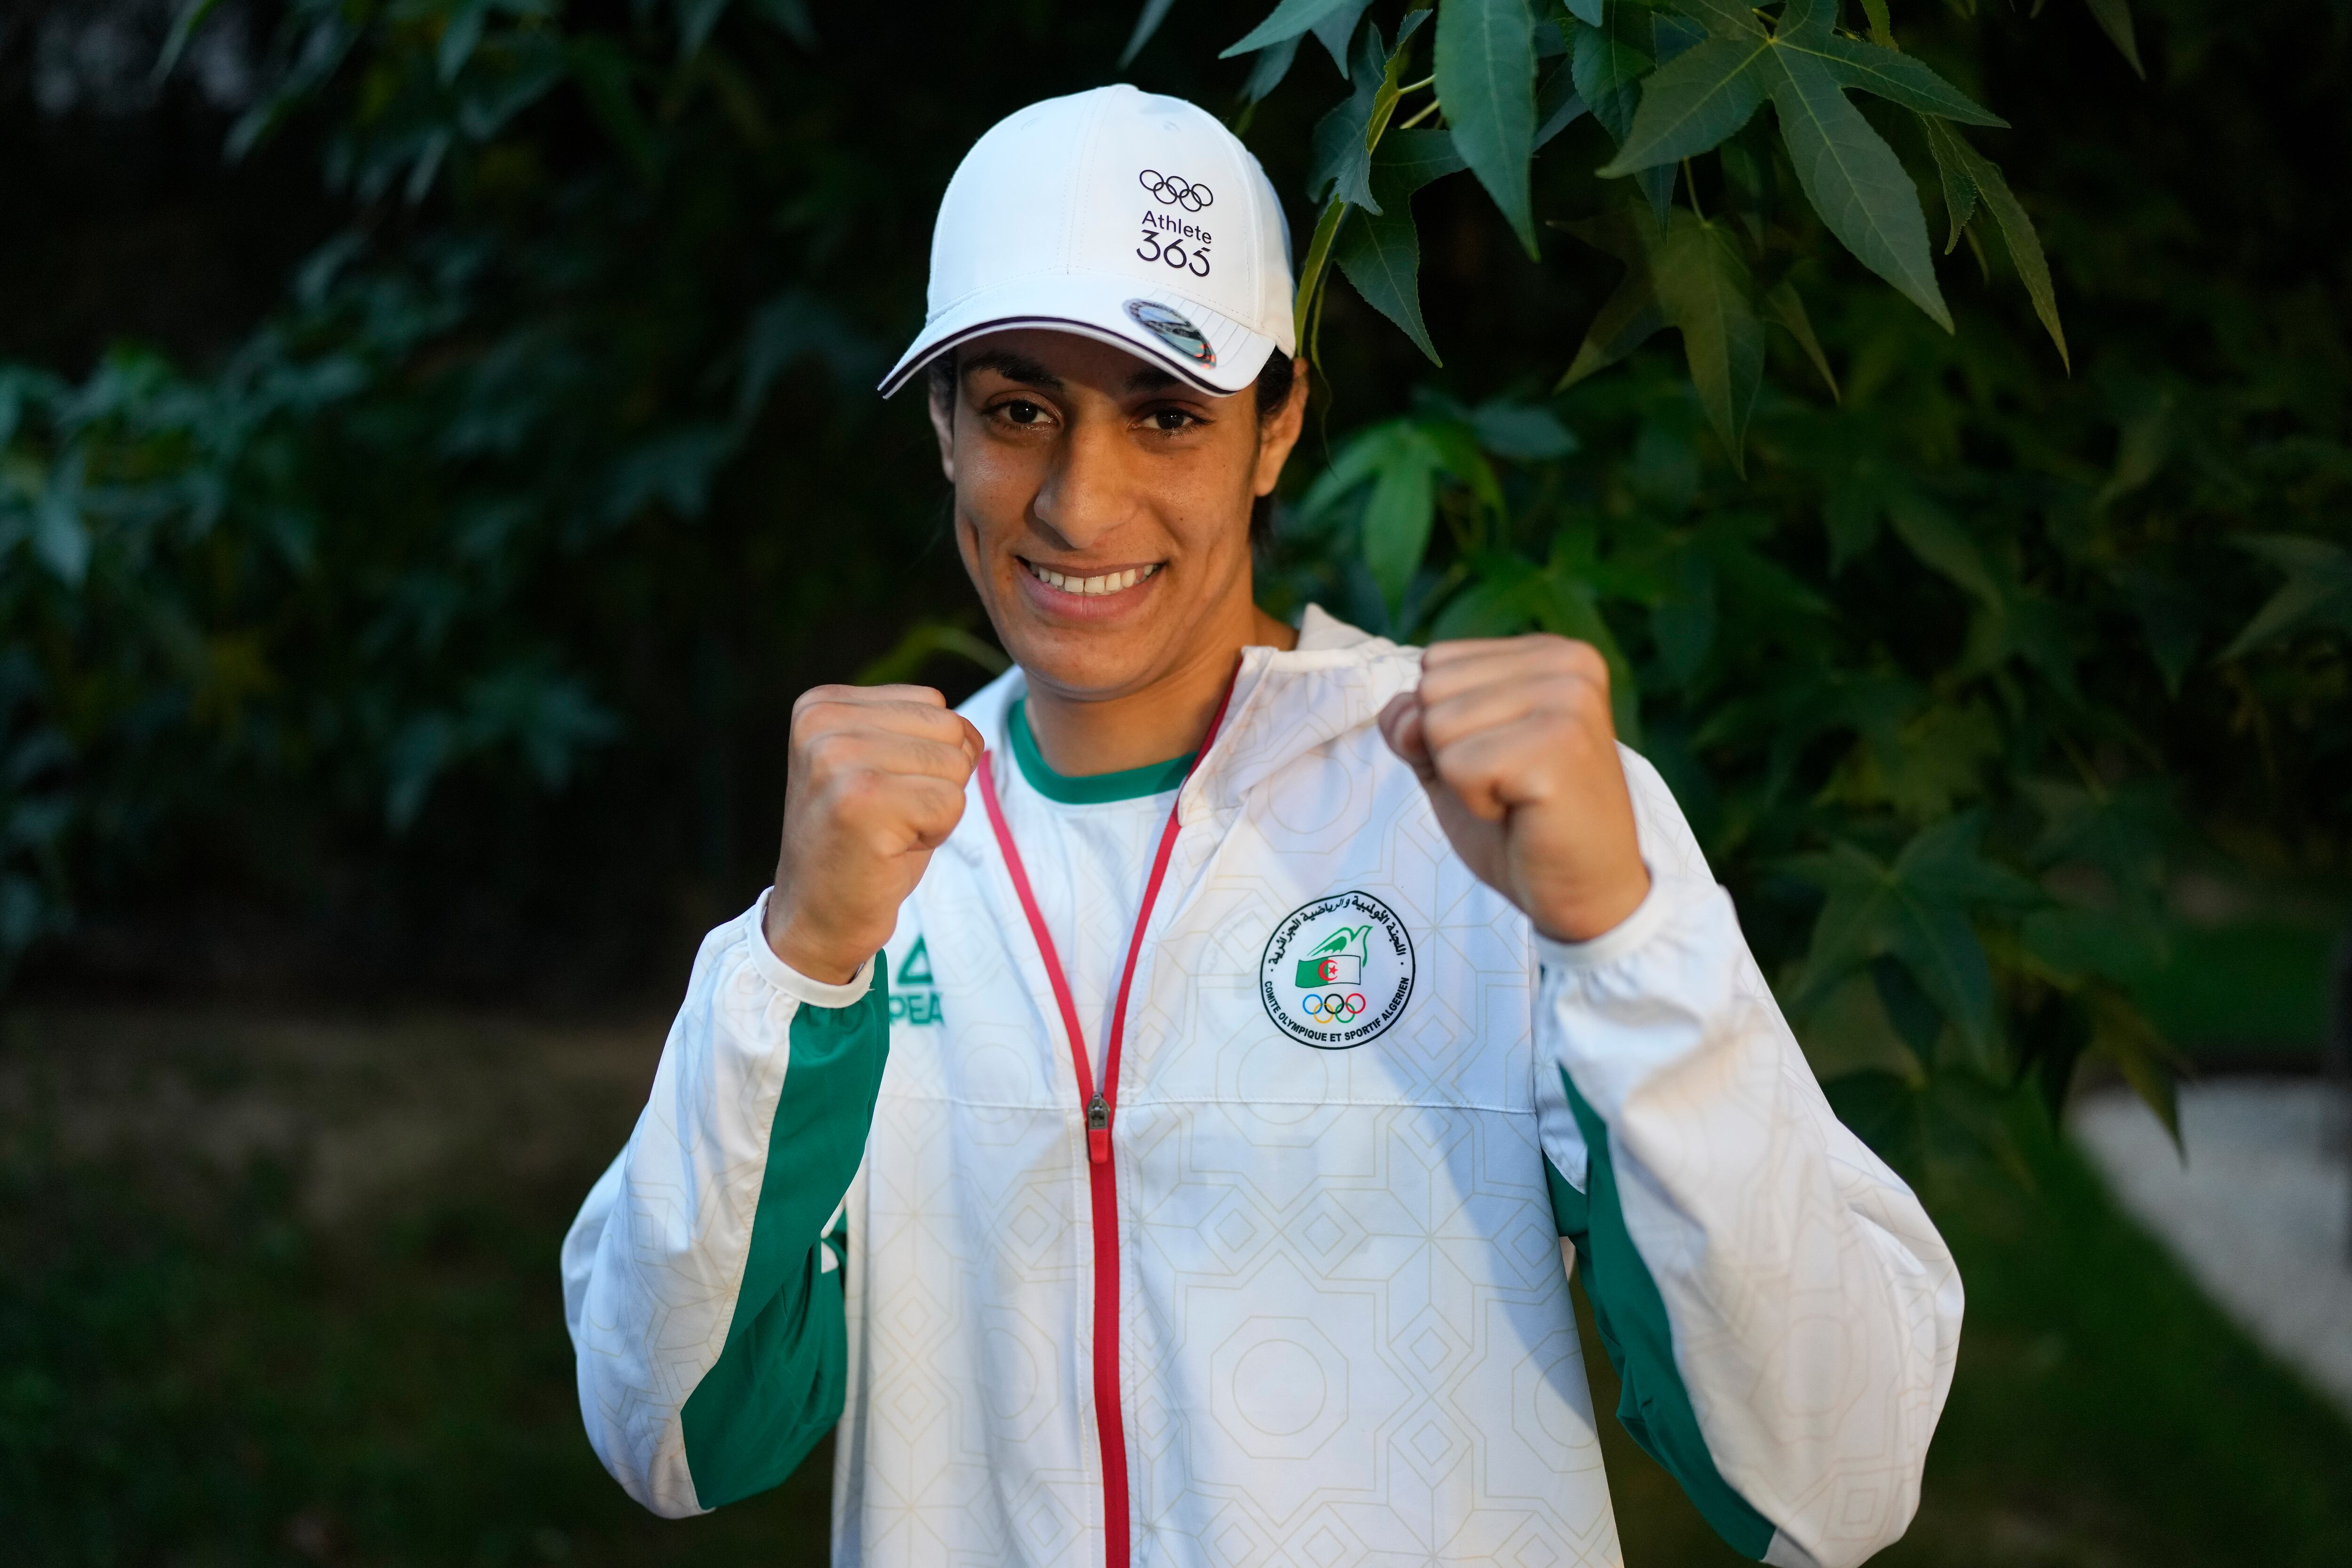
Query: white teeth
x=1109, y=583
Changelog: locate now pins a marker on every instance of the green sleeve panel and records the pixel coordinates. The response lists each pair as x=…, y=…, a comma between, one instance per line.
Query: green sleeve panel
x=1654, y=1408
x=778, y=1384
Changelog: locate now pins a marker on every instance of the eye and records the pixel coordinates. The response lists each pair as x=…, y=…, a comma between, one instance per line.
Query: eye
x=1168, y=421
x=1021, y=411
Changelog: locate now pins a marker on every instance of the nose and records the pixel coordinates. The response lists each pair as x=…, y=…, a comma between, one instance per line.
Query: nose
x=1086, y=495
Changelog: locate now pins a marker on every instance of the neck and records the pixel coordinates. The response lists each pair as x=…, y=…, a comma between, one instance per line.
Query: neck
x=1079, y=736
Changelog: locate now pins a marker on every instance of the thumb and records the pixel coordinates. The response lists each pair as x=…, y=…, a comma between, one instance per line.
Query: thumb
x=1399, y=724
x=974, y=745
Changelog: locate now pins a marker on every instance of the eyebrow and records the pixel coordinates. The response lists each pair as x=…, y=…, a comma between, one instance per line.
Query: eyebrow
x=1027, y=371
x=1013, y=367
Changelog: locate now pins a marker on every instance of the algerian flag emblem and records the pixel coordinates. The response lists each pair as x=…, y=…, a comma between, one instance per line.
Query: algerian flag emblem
x=1337, y=971
x=1337, y=959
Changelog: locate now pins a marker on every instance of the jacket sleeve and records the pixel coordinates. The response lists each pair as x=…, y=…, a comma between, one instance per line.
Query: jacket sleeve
x=1782, y=1314
x=701, y=1285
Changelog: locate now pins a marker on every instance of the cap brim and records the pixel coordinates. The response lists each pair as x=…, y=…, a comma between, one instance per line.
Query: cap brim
x=1094, y=305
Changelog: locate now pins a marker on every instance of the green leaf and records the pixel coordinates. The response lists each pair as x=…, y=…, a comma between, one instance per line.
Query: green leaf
x=1564, y=605
x=2114, y=19
x=1397, y=519
x=1341, y=165
x=1310, y=273
x=1273, y=63
x=1486, y=79
x=1633, y=313
x=793, y=17
x=1942, y=543
x=1703, y=285
x=1407, y=160
x=1945, y=861
x=1557, y=104
x=696, y=19
x=1147, y=22
x=184, y=23
x=1952, y=165
x=1693, y=102
x=1882, y=25
x=1605, y=65
x=2318, y=593
x=2171, y=616
x=1724, y=18
x=1336, y=27
x=1783, y=304
x=1585, y=11
x=1525, y=431
x=1915, y=910
x=1381, y=254
x=1898, y=77
x=2122, y=1033
x=1350, y=466
x=1288, y=20
x=1854, y=179
x=1686, y=274
x=2024, y=244
x=61, y=541
x=602, y=68
x=1456, y=445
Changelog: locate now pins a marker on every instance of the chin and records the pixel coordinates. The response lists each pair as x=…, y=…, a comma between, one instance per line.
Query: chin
x=1102, y=659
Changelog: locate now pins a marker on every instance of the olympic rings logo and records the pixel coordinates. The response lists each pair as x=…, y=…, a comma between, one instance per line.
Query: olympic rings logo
x=1173, y=191
x=1333, y=1006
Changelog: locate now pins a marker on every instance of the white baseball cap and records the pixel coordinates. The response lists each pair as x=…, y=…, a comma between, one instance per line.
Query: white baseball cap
x=1122, y=216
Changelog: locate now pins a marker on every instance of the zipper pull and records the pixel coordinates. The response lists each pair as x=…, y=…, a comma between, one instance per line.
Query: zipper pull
x=1098, y=1130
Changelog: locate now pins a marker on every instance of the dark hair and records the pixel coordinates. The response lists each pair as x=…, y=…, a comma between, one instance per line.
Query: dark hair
x=1271, y=388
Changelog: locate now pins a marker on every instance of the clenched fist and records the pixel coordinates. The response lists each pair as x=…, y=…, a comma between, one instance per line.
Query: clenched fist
x=1512, y=738
x=876, y=784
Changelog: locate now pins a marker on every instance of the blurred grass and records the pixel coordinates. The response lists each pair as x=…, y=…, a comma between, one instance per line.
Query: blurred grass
x=2251, y=989
x=202, y=1362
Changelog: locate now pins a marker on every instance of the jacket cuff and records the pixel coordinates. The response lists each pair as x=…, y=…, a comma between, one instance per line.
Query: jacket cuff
x=1658, y=907
x=791, y=981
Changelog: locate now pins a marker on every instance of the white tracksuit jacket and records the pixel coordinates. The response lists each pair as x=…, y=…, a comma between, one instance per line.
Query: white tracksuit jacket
x=1343, y=1329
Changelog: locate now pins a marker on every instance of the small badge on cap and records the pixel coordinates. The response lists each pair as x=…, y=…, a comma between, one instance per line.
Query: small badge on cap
x=1172, y=330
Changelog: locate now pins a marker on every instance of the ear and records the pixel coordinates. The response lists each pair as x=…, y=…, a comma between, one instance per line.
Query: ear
x=943, y=427
x=1280, y=433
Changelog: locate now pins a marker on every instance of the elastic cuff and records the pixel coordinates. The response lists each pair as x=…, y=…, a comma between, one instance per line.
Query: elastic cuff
x=1658, y=907
x=791, y=981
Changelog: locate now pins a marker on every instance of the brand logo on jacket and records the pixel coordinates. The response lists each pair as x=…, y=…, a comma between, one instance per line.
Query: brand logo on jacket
x=914, y=994
x=1337, y=971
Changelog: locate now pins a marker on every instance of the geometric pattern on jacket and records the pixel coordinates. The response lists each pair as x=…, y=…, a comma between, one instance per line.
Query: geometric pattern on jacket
x=1345, y=1333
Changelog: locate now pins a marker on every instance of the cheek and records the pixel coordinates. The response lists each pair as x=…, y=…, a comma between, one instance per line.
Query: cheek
x=993, y=487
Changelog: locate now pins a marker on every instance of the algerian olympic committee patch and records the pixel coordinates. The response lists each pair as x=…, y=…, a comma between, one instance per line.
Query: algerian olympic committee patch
x=1337, y=972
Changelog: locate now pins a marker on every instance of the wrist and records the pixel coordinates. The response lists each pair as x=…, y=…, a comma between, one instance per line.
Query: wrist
x=1590, y=916
x=805, y=952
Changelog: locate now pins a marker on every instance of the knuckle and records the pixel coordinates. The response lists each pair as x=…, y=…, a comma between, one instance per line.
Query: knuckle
x=828, y=750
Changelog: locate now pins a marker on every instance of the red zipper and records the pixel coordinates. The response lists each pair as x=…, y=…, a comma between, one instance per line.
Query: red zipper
x=1101, y=1106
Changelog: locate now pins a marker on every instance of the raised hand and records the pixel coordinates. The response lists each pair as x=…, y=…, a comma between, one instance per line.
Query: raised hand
x=1512, y=738
x=876, y=784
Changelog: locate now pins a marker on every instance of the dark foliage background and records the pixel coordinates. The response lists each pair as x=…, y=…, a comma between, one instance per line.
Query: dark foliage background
x=415, y=525
x=426, y=623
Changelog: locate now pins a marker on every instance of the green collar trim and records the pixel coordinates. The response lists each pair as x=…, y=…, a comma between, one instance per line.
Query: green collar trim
x=1088, y=789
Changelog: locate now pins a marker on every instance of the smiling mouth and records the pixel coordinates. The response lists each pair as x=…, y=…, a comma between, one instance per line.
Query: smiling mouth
x=1108, y=582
